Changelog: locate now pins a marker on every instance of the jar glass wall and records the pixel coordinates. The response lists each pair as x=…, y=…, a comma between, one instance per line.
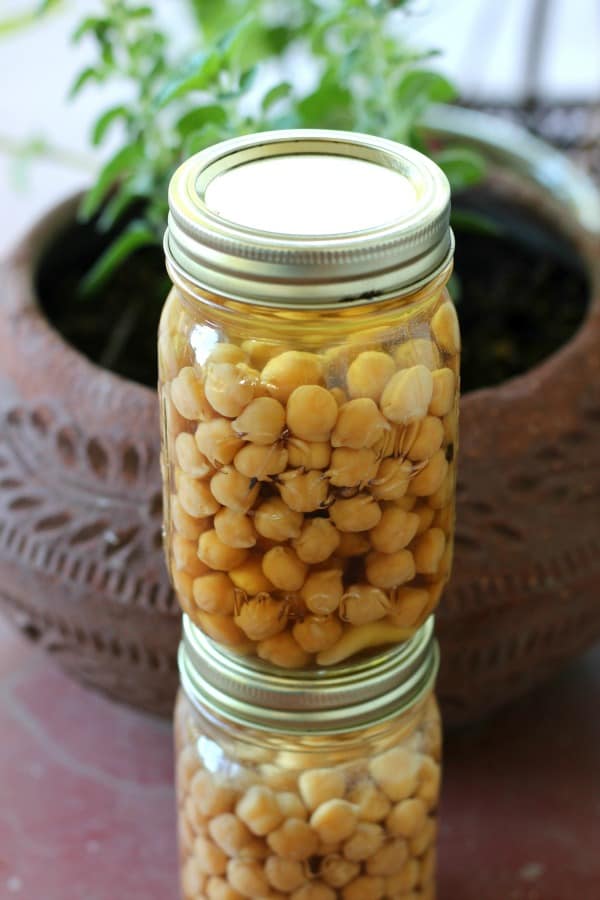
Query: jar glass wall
x=309, y=469
x=315, y=817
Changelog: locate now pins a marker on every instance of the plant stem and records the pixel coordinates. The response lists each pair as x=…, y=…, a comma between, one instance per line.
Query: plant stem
x=43, y=150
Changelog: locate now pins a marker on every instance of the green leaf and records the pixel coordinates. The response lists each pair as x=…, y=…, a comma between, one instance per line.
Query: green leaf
x=197, y=118
x=210, y=134
x=462, y=166
x=107, y=118
x=134, y=237
x=195, y=75
x=125, y=160
x=236, y=40
x=328, y=107
x=89, y=24
x=278, y=92
x=475, y=222
x=89, y=74
x=421, y=86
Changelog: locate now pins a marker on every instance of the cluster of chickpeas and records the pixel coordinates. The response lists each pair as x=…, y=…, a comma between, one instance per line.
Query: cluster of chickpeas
x=278, y=828
x=310, y=502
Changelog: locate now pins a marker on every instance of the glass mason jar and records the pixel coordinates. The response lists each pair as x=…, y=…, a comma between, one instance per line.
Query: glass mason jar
x=288, y=790
x=309, y=373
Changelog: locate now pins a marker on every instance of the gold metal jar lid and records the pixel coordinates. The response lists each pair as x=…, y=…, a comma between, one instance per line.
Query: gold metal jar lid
x=341, y=698
x=308, y=217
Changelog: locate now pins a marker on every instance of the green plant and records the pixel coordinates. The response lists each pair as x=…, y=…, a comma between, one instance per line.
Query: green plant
x=366, y=77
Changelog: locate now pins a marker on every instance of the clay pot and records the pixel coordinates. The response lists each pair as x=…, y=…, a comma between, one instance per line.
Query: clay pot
x=81, y=567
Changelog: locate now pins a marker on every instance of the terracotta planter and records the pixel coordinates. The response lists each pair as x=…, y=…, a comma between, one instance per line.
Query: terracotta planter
x=81, y=567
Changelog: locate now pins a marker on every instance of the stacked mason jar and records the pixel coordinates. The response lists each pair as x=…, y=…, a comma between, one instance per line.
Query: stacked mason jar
x=309, y=368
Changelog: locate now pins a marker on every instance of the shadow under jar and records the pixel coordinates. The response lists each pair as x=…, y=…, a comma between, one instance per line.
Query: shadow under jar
x=309, y=374
x=288, y=791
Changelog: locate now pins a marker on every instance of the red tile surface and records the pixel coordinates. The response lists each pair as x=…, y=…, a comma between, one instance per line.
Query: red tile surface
x=86, y=801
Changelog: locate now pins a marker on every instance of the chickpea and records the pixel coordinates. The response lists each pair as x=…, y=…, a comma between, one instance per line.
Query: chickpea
x=396, y=772
x=275, y=520
x=362, y=603
x=444, y=391
x=425, y=515
x=226, y=353
x=428, y=865
x=291, y=805
x=350, y=468
x=428, y=551
x=283, y=568
x=218, y=889
x=394, y=531
x=317, y=541
x=188, y=526
x=284, y=874
x=430, y=478
x=373, y=804
x=210, y=796
x=366, y=840
x=217, y=555
x=450, y=423
x=256, y=850
x=369, y=373
x=311, y=413
x=189, y=458
x=192, y=879
x=187, y=394
x=317, y=786
x=338, y=395
x=229, y=833
x=280, y=780
x=417, y=351
x=259, y=810
x=308, y=454
x=445, y=328
x=444, y=495
x=262, y=617
x=407, y=395
x=292, y=369
x=406, y=818
x=430, y=775
x=322, y=591
x=425, y=837
x=261, y=462
x=409, y=607
x=284, y=651
x=314, y=890
x=214, y=593
x=234, y=528
x=248, y=878
x=195, y=496
x=404, y=880
x=260, y=352
x=393, y=478
x=303, y=491
x=315, y=633
x=389, y=859
x=294, y=839
x=358, y=513
x=188, y=764
x=359, y=424
x=334, y=820
x=250, y=578
x=353, y=544
x=210, y=858
x=223, y=630
x=232, y=489
x=365, y=887
x=337, y=871
x=428, y=440
x=228, y=388
x=261, y=422
x=362, y=637
x=390, y=570
x=183, y=586
x=185, y=557
x=217, y=441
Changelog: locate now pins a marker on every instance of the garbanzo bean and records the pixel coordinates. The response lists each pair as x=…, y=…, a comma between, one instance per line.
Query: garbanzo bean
x=311, y=412
x=294, y=839
x=195, y=496
x=289, y=370
x=337, y=871
x=389, y=859
x=232, y=489
x=390, y=570
x=248, y=877
x=317, y=541
x=189, y=527
x=218, y=555
x=406, y=818
x=314, y=890
x=365, y=887
x=359, y=424
x=317, y=786
x=291, y=805
x=189, y=458
x=364, y=842
x=334, y=820
x=261, y=462
x=188, y=396
x=183, y=584
x=308, y=454
x=373, y=805
x=425, y=515
x=350, y=468
x=394, y=531
x=226, y=353
x=284, y=874
x=262, y=617
x=339, y=395
x=261, y=422
x=217, y=441
x=282, y=566
x=369, y=373
x=428, y=551
x=316, y=633
x=223, y=630
x=363, y=603
x=428, y=440
x=275, y=520
x=210, y=795
x=444, y=495
x=229, y=833
x=408, y=606
x=250, y=578
x=392, y=479
x=283, y=650
x=259, y=810
x=228, y=388
x=217, y=888
x=322, y=591
x=424, y=838
x=303, y=491
x=429, y=479
x=193, y=878
x=234, y=528
x=353, y=544
x=417, y=351
x=359, y=513
x=404, y=881
x=210, y=858
x=396, y=772
x=260, y=352
x=445, y=328
x=185, y=557
x=407, y=395
x=444, y=390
